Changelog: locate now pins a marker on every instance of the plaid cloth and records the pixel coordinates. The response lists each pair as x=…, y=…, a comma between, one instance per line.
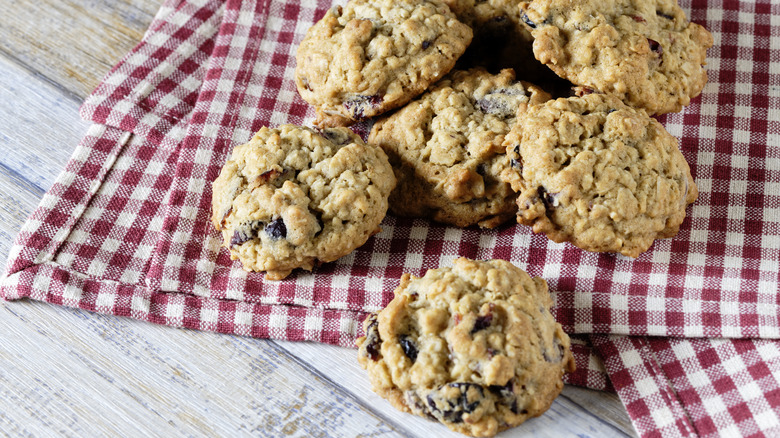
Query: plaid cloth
x=687, y=334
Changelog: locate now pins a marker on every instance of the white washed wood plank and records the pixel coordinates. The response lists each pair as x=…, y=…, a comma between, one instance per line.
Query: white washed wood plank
x=39, y=126
x=73, y=373
x=18, y=198
x=565, y=417
x=603, y=405
x=73, y=42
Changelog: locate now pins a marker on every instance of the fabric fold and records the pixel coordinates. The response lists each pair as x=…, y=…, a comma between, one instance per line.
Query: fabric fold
x=643, y=387
x=156, y=84
x=695, y=387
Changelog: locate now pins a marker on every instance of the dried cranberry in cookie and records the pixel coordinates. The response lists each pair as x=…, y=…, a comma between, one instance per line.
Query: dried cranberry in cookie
x=293, y=197
x=371, y=56
x=473, y=346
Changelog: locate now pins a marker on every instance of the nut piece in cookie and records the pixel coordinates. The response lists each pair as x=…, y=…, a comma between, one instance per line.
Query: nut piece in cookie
x=473, y=346
x=595, y=172
x=446, y=148
x=371, y=56
x=645, y=52
x=293, y=197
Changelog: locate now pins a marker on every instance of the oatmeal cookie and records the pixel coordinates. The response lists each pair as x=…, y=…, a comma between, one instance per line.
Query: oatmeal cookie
x=292, y=197
x=446, y=148
x=598, y=173
x=473, y=346
x=368, y=57
x=645, y=52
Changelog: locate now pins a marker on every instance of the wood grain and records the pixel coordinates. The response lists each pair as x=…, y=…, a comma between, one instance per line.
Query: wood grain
x=73, y=43
x=19, y=199
x=42, y=126
x=68, y=372
x=96, y=375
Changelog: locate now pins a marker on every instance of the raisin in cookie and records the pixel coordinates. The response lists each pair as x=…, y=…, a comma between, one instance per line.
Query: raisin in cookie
x=643, y=51
x=368, y=57
x=593, y=171
x=291, y=198
x=473, y=346
x=446, y=148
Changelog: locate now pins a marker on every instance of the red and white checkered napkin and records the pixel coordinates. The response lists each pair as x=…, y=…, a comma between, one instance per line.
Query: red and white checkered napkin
x=687, y=333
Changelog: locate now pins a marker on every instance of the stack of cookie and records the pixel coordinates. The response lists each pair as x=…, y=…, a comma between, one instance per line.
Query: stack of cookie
x=482, y=111
x=482, y=144
x=294, y=197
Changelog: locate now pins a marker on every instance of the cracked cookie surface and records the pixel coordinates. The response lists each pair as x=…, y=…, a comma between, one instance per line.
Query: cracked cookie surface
x=292, y=197
x=602, y=175
x=446, y=148
x=646, y=53
x=473, y=346
x=368, y=57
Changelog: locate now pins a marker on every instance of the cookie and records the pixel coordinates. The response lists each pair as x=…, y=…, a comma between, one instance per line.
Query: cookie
x=292, y=197
x=446, y=148
x=598, y=173
x=473, y=346
x=645, y=52
x=369, y=57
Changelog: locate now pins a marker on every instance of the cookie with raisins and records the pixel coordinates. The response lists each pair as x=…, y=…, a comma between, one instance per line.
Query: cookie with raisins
x=599, y=174
x=473, y=346
x=367, y=57
x=645, y=52
x=292, y=197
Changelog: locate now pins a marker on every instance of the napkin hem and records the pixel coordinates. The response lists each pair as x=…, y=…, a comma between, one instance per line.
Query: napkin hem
x=55, y=284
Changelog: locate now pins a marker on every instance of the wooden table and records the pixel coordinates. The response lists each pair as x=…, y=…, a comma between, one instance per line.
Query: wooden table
x=69, y=372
